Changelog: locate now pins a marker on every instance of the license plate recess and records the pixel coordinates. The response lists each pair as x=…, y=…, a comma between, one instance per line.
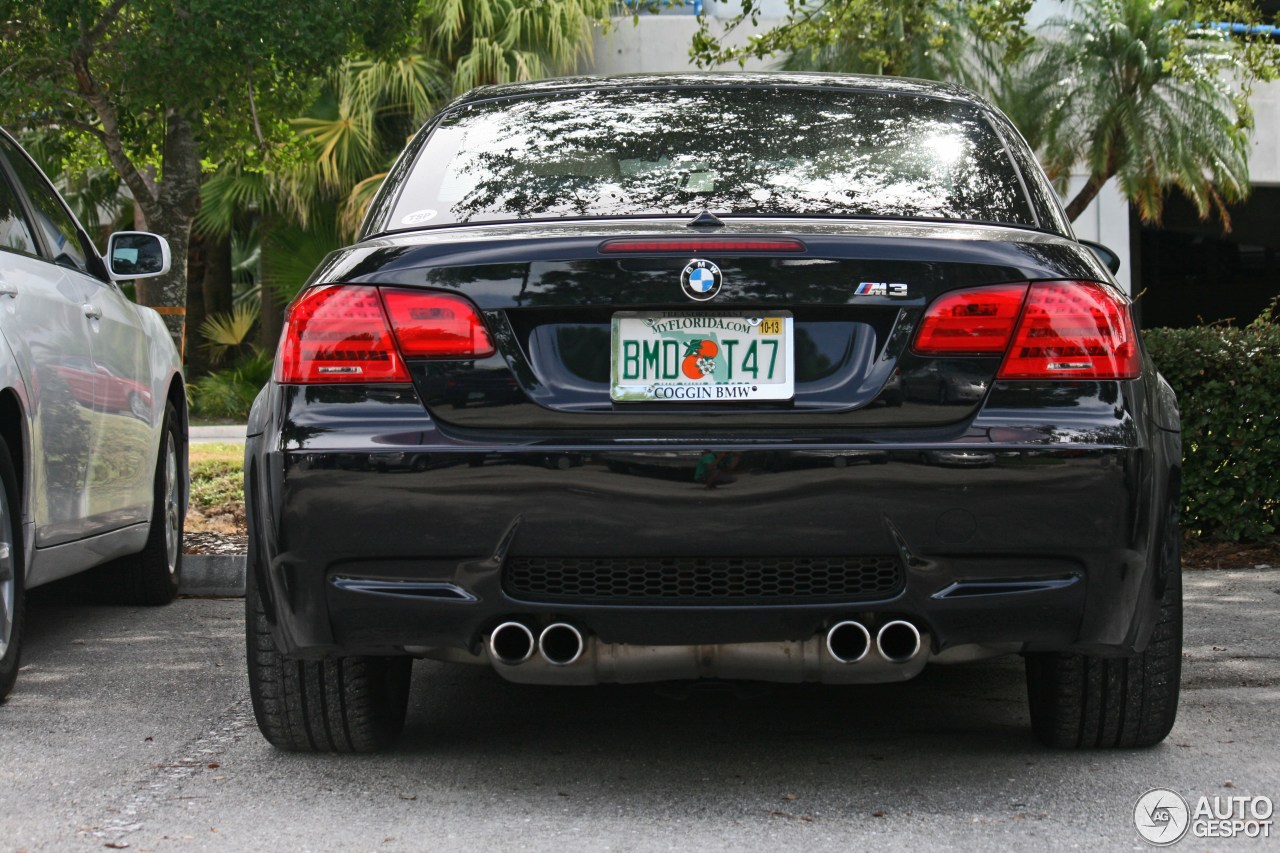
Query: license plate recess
x=660, y=356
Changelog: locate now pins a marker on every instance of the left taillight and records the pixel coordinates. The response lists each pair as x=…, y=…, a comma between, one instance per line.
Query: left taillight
x=359, y=333
x=429, y=324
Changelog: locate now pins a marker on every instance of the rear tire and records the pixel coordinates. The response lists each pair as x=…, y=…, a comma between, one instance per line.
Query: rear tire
x=151, y=576
x=1089, y=702
x=340, y=704
x=12, y=600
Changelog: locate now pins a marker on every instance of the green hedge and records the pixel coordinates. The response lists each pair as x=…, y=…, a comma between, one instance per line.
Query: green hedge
x=1228, y=385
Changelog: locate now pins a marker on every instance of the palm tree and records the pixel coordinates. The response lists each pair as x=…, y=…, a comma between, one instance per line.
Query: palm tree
x=1144, y=99
x=500, y=41
x=313, y=201
x=300, y=206
x=1128, y=89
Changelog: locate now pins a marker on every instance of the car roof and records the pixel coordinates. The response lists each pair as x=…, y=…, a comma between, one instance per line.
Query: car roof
x=723, y=79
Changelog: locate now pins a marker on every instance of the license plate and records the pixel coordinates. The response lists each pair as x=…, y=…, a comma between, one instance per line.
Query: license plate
x=725, y=357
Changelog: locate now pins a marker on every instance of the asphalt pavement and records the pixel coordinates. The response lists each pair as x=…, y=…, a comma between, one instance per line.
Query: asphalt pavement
x=132, y=726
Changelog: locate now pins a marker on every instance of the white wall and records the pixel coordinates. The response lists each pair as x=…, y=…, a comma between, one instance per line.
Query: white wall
x=658, y=43
x=1264, y=154
x=1106, y=221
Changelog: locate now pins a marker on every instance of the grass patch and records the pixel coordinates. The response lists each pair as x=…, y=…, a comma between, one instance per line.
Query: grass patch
x=217, y=488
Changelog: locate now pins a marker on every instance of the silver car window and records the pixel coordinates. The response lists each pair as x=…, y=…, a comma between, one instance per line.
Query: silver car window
x=15, y=233
x=51, y=217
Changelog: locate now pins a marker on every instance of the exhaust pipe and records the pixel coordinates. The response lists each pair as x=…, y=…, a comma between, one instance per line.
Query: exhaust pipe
x=898, y=641
x=561, y=644
x=511, y=643
x=848, y=642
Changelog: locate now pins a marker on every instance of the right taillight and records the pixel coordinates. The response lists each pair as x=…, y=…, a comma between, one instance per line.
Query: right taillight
x=1073, y=330
x=360, y=333
x=1048, y=330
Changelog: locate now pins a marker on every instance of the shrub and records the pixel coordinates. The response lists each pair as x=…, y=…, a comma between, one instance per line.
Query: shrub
x=1228, y=385
x=229, y=393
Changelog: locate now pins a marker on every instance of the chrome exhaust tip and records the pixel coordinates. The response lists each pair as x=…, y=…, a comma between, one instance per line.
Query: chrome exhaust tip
x=561, y=644
x=511, y=643
x=848, y=642
x=898, y=641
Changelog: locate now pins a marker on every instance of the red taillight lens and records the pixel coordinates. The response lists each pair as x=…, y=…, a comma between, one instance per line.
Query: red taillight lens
x=979, y=321
x=338, y=333
x=1046, y=330
x=696, y=245
x=341, y=333
x=436, y=325
x=1073, y=330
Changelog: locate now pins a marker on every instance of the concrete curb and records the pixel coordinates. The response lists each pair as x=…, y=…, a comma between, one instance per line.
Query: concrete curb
x=212, y=574
x=230, y=433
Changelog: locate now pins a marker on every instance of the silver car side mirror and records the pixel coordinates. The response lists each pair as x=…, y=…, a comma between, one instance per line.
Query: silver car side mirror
x=137, y=254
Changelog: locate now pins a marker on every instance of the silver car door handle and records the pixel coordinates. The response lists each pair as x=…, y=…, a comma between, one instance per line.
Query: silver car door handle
x=7, y=289
x=93, y=312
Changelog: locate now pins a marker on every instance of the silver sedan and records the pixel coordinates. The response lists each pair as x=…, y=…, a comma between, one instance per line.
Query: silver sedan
x=93, y=416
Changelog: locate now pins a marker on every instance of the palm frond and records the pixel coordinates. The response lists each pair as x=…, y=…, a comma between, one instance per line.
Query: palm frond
x=226, y=194
x=357, y=202
x=291, y=252
x=224, y=332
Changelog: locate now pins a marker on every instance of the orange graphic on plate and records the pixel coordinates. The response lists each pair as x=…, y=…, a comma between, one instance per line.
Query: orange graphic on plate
x=699, y=359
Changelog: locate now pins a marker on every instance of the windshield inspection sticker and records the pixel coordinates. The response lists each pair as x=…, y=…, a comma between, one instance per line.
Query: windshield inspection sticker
x=418, y=217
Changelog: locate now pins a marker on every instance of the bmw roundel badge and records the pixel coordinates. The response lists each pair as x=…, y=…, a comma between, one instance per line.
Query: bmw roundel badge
x=700, y=280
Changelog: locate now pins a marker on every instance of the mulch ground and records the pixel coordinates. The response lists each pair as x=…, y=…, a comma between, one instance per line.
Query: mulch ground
x=215, y=543
x=1232, y=555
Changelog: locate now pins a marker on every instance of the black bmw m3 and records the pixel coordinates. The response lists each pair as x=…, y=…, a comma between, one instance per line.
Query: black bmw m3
x=793, y=378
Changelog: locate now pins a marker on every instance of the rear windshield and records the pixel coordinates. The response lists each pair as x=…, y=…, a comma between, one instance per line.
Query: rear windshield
x=730, y=150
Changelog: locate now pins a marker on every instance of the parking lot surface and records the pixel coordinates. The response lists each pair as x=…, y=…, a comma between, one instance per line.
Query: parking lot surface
x=132, y=727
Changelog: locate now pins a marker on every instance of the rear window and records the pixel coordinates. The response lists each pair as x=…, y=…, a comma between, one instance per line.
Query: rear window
x=730, y=150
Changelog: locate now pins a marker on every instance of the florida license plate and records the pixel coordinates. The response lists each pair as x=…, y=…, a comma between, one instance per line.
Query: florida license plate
x=725, y=357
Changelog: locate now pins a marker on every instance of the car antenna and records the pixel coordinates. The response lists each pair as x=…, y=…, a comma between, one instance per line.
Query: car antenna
x=705, y=219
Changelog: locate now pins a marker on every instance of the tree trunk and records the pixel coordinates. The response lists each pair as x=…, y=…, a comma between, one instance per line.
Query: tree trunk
x=271, y=320
x=218, y=275
x=1087, y=193
x=169, y=213
x=196, y=355
x=169, y=204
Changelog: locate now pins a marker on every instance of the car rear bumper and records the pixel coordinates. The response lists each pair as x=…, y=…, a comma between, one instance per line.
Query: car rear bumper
x=387, y=536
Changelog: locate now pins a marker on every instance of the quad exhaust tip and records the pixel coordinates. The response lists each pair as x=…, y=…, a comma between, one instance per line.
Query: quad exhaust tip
x=898, y=641
x=511, y=643
x=848, y=642
x=561, y=644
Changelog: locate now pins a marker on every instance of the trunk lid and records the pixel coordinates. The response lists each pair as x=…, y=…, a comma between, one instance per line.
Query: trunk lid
x=549, y=297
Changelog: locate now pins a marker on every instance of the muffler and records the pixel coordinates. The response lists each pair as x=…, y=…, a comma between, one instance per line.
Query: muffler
x=511, y=643
x=898, y=641
x=848, y=642
x=561, y=644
